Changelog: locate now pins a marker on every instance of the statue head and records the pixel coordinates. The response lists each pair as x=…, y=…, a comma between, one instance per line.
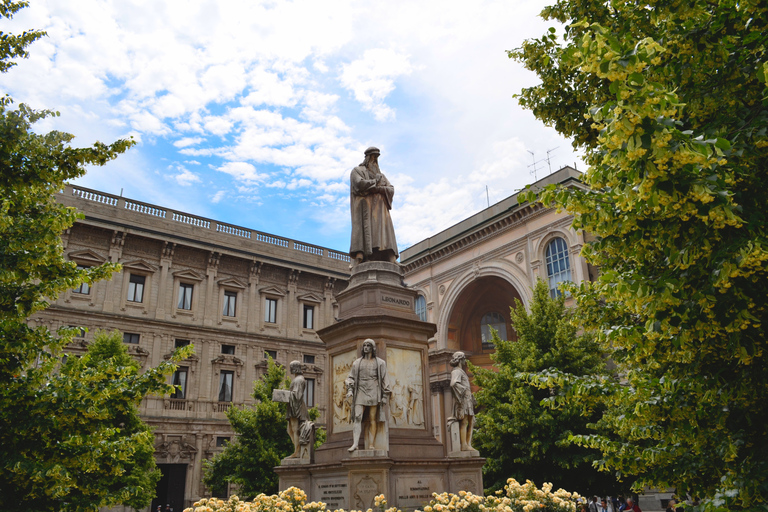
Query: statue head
x=371, y=159
x=458, y=359
x=369, y=347
x=296, y=368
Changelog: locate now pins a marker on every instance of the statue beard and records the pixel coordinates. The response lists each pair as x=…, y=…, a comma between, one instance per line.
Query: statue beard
x=374, y=167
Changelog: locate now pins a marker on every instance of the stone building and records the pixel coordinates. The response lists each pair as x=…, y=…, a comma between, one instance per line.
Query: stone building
x=239, y=295
x=469, y=275
x=236, y=294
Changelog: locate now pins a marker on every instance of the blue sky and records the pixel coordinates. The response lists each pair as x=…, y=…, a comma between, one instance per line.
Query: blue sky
x=253, y=113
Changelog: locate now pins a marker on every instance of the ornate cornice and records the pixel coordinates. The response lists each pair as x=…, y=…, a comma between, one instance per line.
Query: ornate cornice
x=503, y=224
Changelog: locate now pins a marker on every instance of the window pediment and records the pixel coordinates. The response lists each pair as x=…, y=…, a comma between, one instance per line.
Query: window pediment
x=139, y=265
x=230, y=361
x=231, y=282
x=310, y=298
x=188, y=274
x=87, y=258
x=272, y=290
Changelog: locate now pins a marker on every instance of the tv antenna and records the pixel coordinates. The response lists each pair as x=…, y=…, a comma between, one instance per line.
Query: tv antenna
x=535, y=163
x=548, y=162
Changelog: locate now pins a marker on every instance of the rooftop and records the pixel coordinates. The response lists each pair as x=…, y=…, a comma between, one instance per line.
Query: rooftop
x=145, y=219
x=483, y=218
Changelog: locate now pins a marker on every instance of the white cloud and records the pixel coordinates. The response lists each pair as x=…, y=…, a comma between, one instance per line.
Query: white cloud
x=188, y=141
x=218, y=196
x=242, y=171
x=372, y=77
x=186, y=178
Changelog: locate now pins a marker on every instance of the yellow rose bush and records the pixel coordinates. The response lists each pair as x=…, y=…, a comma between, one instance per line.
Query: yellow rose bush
x=515, y=497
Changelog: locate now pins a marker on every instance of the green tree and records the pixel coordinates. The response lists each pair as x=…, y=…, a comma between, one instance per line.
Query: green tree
x=521, y=437
x=667, y=100
x=95, y=398
x=61, y=443
x=262, y=440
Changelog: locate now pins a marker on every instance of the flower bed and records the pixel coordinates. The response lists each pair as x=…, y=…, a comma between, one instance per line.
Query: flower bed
x=515, y=497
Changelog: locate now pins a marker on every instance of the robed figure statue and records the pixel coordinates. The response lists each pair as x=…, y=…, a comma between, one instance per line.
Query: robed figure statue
x=373, y=236
x=368, y=390
x=299, y=427
x=463, y=400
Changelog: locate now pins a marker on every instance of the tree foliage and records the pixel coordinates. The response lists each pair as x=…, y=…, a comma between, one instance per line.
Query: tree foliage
x=262, y=440
x=69, y=435
x=520, y=437
x=668, y=102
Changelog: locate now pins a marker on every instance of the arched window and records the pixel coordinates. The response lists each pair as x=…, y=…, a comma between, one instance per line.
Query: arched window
x=421, y=308
x=492, y=320
x=558, y=265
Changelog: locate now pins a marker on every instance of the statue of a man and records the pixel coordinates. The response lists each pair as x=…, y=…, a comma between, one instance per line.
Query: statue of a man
x=373, y=236
x=463, y=401
x=368, y=390
x=297, y=408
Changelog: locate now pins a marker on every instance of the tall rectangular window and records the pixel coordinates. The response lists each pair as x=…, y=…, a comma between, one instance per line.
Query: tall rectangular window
x=180, y=380
x=309, y=393
x=130, y=337
x=185, y=296
x=270, y=311
x=84, y=288
x=309, y=317
x=226, y=378
x=230, y=301
x=136, y=288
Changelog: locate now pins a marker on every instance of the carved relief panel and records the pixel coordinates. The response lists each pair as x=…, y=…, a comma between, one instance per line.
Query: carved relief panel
x=341, y=364
x=406, y=405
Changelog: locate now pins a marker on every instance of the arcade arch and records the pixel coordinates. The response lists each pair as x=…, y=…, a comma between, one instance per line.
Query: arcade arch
x=488, y=297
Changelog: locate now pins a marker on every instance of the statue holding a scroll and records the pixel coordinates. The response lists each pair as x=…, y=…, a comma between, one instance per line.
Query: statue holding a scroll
x=373, y=236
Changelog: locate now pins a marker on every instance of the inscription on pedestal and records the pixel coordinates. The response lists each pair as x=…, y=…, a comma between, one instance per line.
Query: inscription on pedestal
x=332, y=492
x=395, y=301
x=366, y=490
x=415, y=491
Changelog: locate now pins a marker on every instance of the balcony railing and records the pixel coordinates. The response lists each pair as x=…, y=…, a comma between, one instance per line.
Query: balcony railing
x=201, y=222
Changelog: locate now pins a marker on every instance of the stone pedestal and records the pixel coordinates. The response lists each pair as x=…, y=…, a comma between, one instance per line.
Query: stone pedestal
x=377, y=305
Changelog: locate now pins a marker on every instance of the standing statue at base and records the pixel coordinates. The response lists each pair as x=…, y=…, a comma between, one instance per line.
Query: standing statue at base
x=373, y=236
x=368, y=390
x=299, y=427
x=463, y=401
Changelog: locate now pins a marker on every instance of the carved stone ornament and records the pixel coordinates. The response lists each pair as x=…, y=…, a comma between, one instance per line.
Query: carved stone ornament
x=175, y=450
x=226, y=360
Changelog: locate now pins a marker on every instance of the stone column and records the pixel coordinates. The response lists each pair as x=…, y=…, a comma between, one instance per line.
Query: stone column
x=197, y=468
x=163, y=286
x=204, y=372
x=328, y=302
x=253, y=312
x=210, y=303
x=114, y=287
x=291, y=320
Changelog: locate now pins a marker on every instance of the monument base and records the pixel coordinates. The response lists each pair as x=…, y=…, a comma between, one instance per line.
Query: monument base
x=353, y=483
x=294, y=461
x=466, y=454
x=358, y=454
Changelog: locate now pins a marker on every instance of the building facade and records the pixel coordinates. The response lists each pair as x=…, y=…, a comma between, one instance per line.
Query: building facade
x=238, y=295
